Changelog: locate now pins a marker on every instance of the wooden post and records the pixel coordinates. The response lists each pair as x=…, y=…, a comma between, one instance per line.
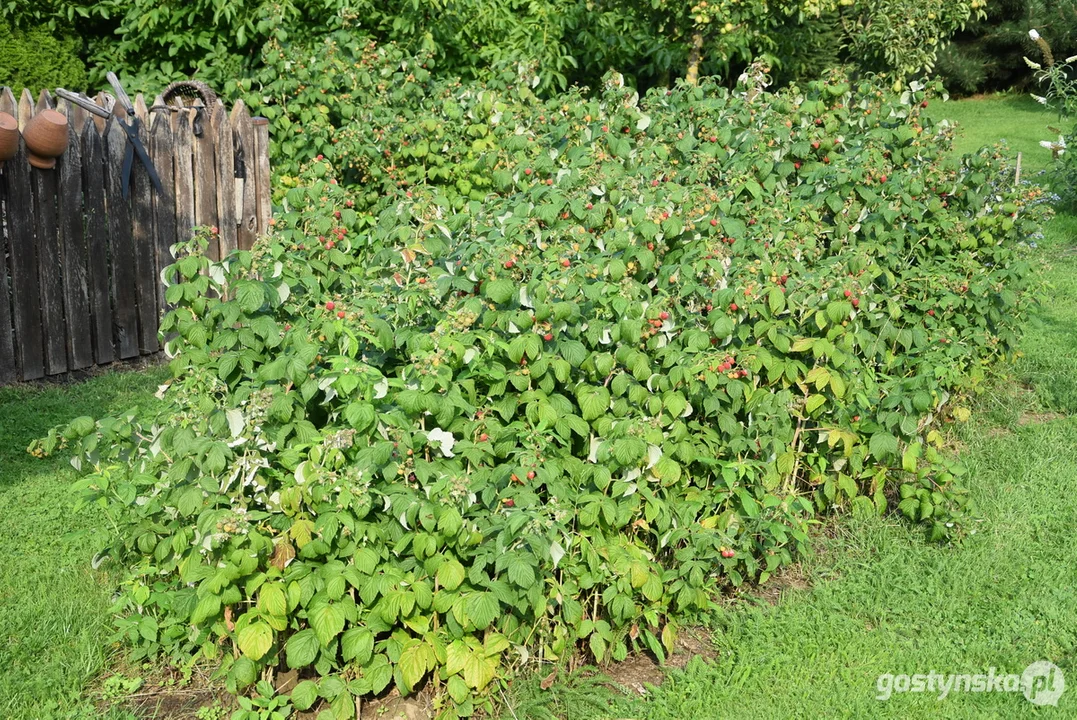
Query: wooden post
x=8, y=363
x=205, y=182
x=141, y=204
x=44, y=102
x=102, y=99
x=243, y=142
x=183, y=166
x=50, y=262
x=225, y=180
x=8, y=103
x=97, y=240
x=26, y=301
x=26, y=108
x=76, y=257
x=8, y=368
x=261, y=164
x=164, y=206
x=123, y=246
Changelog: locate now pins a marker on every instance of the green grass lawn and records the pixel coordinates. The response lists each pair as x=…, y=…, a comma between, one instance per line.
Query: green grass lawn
x=54, y=622
x=1015, y=118
x=881, y=600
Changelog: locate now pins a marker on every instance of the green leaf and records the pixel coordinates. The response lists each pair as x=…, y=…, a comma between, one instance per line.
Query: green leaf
x=573, y=351
x=734, y=228
x=837, y=385
x=251, y=295
x=327, y=621
x=244, y=672
x=207, y=608
x=482, y=609
x=456, y=655
x=883, y=445
x=450, y=574
x=360, y=415
x=500, y=291
x=668, y=470
x=271, y=599
x=189, y=501
x=415, y=660
x=479, y=670
x=304, y=694
x=521, y=573
x=458, y=689
x=379, y=672
x=910, y=456
x=598, y=646
x=302, y=648
x=594, y=402
x=357, y=644
x=450, y=523
x=776, y=300
x=495, y=644
x=255, y=640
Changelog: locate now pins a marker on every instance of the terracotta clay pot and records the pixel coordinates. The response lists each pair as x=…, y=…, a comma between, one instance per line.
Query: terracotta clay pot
x=9, y=137
x=46, y=138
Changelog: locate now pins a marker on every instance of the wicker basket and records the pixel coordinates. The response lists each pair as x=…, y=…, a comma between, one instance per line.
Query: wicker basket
x=189, y=91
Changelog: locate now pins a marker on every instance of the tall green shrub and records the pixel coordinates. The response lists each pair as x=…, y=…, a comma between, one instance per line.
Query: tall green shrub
x=986, y=55
x=39, y=58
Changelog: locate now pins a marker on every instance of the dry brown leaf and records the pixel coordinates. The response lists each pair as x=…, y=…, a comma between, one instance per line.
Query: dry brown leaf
x=283, y=553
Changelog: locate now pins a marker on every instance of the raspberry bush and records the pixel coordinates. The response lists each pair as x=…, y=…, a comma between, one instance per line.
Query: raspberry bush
x=434, y=428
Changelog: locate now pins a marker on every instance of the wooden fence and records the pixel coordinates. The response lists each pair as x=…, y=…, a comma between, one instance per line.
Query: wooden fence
x=80, y=265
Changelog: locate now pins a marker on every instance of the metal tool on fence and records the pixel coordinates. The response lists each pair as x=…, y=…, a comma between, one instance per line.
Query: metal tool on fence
x=239, y=163
x=131, y=128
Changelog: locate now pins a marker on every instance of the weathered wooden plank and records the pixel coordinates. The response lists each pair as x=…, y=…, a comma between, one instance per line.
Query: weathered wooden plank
x=97, y=240
x=164, y=206
x=8, y=365
x=158, y=113
x=261, y=166
x=205, y=184
x=22, y=244
x=141, y=111
x=9, y=370
x=243, y=147
x=26, y=108
x=50, y=263
x=75, y=256
x=8, y=103
x=114, y=107
x=226, y=179
x=44, y=102
x=145, y=248
x=103, y=100
x=125, y=320
x=76, y=116
x=183, y=167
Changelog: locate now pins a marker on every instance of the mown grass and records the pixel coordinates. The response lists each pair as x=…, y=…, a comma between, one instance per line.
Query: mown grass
x=54, y=622
x=881, y=600
x=1015, y=118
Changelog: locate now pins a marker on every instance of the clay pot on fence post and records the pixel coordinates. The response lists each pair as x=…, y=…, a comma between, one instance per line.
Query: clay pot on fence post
x=9, y=137
x=46, y=138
